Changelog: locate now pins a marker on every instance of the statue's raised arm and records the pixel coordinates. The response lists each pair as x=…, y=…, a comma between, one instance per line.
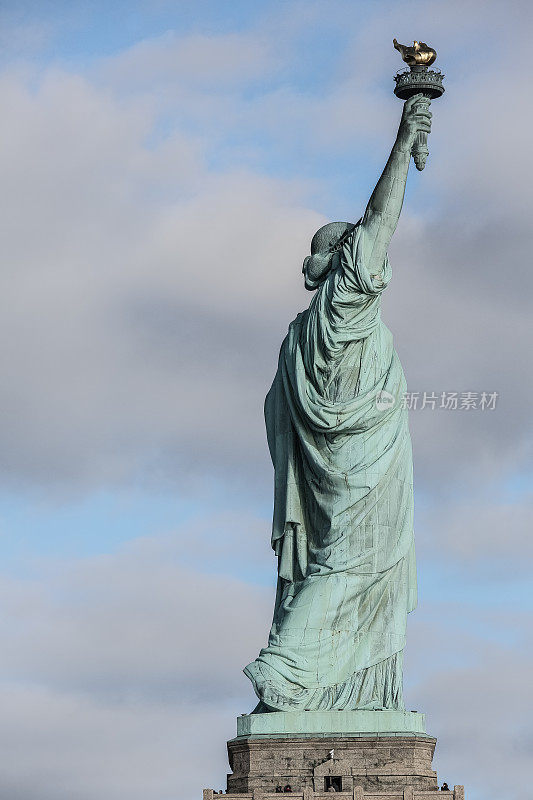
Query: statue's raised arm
x=385, y=204
x=383, y=210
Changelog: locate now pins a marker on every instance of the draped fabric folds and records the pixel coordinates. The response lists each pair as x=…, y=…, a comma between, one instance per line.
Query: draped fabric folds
x=343, y=502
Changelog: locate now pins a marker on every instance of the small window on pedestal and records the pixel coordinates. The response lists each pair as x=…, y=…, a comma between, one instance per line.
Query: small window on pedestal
x=332, y=783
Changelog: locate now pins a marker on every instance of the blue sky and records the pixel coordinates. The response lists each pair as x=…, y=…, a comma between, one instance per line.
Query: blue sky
x=164, y=168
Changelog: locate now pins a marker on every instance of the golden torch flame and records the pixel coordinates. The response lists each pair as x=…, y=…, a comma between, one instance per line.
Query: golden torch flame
x=417, y=55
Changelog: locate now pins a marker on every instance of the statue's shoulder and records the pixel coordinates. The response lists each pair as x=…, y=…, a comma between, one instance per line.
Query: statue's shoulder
x=293, y=332
x=299, y=317
x=297, y=322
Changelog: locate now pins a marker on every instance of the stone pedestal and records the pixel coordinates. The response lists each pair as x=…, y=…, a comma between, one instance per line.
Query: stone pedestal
x=376, y=763
x=361, y=755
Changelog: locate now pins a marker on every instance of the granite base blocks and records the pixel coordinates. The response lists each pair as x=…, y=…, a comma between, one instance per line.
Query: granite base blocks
x=336, y=753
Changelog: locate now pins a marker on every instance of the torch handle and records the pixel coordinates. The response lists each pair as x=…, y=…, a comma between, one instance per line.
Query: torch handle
x=420, y=149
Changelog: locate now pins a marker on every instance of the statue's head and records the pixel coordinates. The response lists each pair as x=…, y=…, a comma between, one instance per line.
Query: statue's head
x=326, y=242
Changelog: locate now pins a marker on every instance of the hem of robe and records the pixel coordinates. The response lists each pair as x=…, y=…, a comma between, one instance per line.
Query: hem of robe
x=375, y=688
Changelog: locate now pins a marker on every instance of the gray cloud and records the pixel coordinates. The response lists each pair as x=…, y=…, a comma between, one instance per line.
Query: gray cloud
x=138, y=285
x=58, y=745
x=484, y=531
x=126, y=309
x=190, y=62
x=142, y=290
x=119, y=670
x=476, y=693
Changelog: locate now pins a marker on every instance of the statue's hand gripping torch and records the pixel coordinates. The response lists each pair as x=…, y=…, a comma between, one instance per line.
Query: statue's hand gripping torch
x=418, y=80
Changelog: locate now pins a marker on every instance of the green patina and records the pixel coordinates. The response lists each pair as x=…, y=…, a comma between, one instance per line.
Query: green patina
x=331, y=723
x=343, y=510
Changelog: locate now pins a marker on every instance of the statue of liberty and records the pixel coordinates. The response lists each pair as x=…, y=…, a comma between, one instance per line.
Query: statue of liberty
x=339, y=440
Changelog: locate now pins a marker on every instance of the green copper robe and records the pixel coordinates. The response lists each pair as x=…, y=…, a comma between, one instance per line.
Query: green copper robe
x=343, y=508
